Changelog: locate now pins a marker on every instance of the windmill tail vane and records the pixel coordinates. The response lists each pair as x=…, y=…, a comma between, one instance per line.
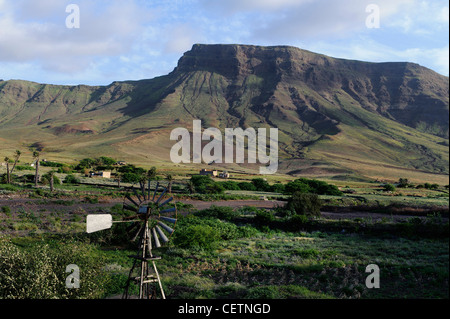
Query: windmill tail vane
x=151, y=214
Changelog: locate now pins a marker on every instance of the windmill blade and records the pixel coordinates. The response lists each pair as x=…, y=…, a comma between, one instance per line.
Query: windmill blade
x=162, y=194
x=155, y=237
x=95, y=223
x=132, y=226
x=156, y=189
x=166, y=202
x=138, y=233
x=148, y=190
x=167, y=228
x=169, y=210
x=161, y=234
x=168, y=219
x=137, y=195
x=131, y=200
x=129, y=207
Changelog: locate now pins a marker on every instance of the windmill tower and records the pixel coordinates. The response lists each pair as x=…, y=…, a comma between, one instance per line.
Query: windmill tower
x=148, y=223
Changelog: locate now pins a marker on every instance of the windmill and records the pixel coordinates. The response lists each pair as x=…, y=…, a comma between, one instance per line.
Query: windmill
x=151, y=212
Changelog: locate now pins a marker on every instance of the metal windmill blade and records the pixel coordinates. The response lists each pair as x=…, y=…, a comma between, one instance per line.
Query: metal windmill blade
x=153, y=207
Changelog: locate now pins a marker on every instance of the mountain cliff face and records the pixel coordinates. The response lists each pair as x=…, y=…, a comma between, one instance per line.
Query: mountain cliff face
x=331, y=113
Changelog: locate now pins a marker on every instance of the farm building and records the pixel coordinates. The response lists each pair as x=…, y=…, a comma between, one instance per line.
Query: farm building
x=100, y=174
x=209, y=172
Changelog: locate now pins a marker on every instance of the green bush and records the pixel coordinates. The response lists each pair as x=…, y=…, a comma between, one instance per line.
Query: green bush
x=261, y=185
x=304, y=204
x=38, y=272
x=246, y=186
x=196, y=236
x=264, y=217
x=221, y=212
x=6, y=210
x=389, y=188
x=304, y=185
x=71, y=179
x=46, y=179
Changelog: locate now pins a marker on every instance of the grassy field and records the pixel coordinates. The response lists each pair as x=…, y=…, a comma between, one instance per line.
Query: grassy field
x=254, y=254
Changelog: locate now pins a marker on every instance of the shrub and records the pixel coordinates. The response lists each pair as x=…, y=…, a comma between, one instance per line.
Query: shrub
x=196, y=236
x=313, y=186
x=230, y=185
x=71, y=179
x=304, y=204
x=221, y=212
x=264, y=217
x=46, y=179
x=6, y=210
x=38, y=272
x=246, y=186
x=389, y=188
x=261, y=185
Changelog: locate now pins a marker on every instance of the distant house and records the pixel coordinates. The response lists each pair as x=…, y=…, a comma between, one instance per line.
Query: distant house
x=121, y=163
x=224, y=175
x=100, y=174
x=209, y=172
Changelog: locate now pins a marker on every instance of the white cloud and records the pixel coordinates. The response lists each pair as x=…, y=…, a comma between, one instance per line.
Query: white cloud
x=104, y=31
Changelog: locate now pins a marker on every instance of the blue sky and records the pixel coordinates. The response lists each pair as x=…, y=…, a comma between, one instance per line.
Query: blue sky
x=140, y=39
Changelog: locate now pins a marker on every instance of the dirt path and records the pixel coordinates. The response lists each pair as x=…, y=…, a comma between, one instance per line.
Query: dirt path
x=28, y=204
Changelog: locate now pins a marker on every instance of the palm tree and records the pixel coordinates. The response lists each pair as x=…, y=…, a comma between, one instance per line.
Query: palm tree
x=151, y=175
x=51, y=173
x=36, y=176
x=16, y=159
x=191, y=187
x=169, y=178
x=8, y=176
x=118, y=178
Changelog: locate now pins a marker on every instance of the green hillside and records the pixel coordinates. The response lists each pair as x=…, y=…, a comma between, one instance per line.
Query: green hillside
x=336, y=118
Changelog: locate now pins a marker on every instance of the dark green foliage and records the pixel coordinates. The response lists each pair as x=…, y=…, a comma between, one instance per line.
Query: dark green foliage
x=24, y=168
x=389, y=188
x=305, y=185
x=230, y=185
x=304, y=204
x=261, y=185
x=71, y=179
x=51, y=164
x=205, y=233
x=46, y=179
x=403, y=182
x=38, y=272
x=196, y=236
x=246, y=186
x=220, y=212
x=130, y=178
x=278, y=188
x=6, y=210
x=206, y=185
x=264, y=217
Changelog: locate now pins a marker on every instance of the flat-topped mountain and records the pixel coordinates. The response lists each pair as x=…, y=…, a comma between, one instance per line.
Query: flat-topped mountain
x=335, y=117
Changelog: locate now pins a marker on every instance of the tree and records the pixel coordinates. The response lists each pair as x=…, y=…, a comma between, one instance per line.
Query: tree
x=191, y=187
x=8, y=176
x=36, y=176
x=389, y=188
x=51, y=175
x=304, y=204
x=118, y=178
x=16, y=159
x=403, y=182
x=261, y=184
x=169, y=178
x=8, y=171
